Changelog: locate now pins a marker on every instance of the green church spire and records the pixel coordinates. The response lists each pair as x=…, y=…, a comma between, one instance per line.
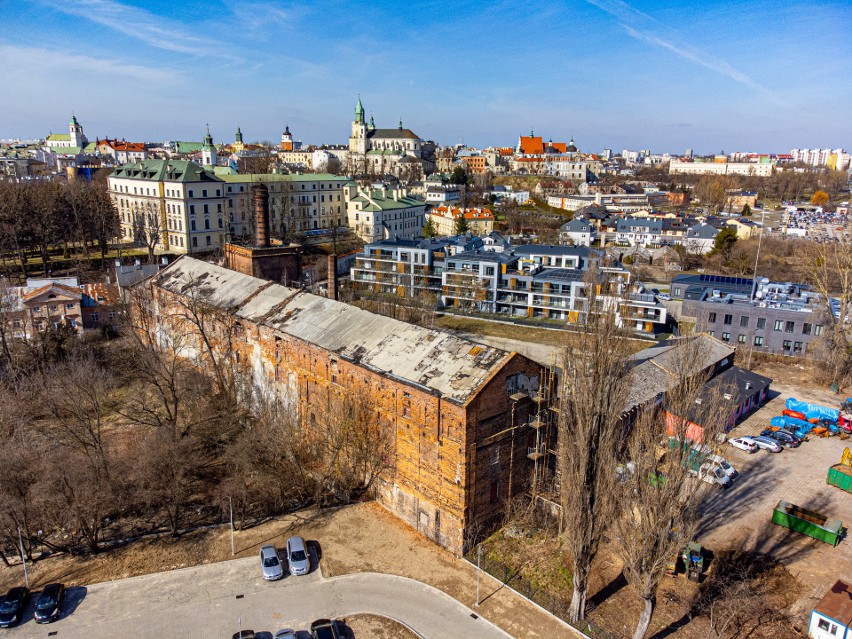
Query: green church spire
x=359, y=112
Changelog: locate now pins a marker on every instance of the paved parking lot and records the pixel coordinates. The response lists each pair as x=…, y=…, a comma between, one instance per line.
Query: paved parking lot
x=216, y=600
x=741, y=515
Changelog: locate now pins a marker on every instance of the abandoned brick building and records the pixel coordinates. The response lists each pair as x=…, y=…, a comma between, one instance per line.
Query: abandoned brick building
x=462, y=414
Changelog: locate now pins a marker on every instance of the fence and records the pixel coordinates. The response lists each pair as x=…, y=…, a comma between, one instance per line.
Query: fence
x=551, y=602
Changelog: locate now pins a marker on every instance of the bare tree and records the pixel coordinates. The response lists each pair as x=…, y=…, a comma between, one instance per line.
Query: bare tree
x=658, y=498
x=741, y=595
x=593, y=397
x=828, y=268
x=356, y=443
x=76, y=395
x=148, y=229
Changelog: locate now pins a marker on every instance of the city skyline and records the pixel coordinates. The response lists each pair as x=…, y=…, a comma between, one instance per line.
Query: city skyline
x=607, y=73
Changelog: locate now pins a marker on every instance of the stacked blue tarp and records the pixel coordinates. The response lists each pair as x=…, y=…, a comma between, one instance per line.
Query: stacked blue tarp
x=799, y=427
x=812, y=411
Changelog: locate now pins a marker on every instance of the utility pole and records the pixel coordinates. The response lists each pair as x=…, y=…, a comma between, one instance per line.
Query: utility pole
x=231, y=508
x=23, y=557
x=478, y=569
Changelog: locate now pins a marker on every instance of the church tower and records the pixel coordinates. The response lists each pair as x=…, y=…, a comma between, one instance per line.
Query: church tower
x=287, y=139
x=358, y=140
x=208, y=151
x=238, y=141
x=76, y=133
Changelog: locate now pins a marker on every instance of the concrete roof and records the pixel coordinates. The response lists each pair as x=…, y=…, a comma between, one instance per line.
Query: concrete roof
x=453, y=367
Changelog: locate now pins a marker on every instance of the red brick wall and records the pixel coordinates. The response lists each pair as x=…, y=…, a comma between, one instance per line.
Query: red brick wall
x=443, y=466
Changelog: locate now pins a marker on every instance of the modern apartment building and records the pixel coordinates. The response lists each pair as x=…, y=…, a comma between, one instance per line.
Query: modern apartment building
x=770, y=317
x=530, y=280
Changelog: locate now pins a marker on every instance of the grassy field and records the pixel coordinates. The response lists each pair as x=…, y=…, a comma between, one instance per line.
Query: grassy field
x=516, y=331
x=497, y=329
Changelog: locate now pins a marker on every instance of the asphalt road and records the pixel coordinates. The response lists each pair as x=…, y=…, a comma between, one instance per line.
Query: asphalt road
x=216, y=600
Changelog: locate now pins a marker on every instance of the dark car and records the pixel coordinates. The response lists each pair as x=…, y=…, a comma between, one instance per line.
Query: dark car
x=48, y=606
x=244, y=634
x=12, y=607
x=783, y=437
x=324, y=629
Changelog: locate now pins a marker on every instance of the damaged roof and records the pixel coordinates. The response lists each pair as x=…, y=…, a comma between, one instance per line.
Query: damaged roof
x=455, y=368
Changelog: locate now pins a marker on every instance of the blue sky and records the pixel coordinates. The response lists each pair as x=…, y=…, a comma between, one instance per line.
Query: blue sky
x=710, y=75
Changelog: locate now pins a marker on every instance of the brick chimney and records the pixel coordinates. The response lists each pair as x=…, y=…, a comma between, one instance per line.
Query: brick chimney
x=260, y=198
x=332, y=276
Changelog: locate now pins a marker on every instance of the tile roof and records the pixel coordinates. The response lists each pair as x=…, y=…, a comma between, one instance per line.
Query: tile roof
x=451, y=366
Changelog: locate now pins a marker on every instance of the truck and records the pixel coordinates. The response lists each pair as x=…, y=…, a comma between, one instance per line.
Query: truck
x=807, y=522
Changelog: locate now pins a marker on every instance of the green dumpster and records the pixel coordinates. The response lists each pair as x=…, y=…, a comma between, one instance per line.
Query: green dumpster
x=807, y=522
x=840, y=475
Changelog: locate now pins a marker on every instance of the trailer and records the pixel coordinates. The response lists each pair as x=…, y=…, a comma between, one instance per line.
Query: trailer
x=807, y=522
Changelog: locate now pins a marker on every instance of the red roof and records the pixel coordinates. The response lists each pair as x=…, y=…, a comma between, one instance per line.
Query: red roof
x=469, y=214
x=531, y=145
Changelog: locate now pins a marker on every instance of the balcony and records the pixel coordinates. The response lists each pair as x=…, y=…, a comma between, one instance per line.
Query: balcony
x=536, y=422
x=536, y=452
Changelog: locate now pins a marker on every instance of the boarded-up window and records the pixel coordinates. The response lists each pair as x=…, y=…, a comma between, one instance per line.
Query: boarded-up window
x=495, y=492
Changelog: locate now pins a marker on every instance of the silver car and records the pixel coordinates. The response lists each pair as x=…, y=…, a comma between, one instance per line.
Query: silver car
x=270, y=564
x=297, y=556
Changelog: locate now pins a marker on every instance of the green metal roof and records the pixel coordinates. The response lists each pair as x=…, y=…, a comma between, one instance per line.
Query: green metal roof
x=279, y=177
x=188, y=147
x=59, y=137
x=377, y=202
x=165, y=171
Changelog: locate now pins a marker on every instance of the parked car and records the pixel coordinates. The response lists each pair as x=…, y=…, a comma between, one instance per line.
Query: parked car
x=297, y=556
x=664, y=297
x=744, y=443
x=767, y=443
x=287, y=633
x=13, y=605
x=270, y=564
x=243, y=634
x=724, y=464
x=49, y=603
x=324, y=629
x=783, y=437
x=711, y=473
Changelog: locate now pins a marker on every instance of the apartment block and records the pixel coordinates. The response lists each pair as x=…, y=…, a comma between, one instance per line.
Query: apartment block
x=532, y=280
x=769, y=317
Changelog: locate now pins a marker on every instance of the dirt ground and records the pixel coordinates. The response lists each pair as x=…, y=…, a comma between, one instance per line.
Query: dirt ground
x=375, y=627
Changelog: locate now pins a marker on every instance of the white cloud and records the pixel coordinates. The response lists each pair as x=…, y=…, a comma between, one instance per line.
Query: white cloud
x=642, y=27
x=33, y=64
x=137, y=23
